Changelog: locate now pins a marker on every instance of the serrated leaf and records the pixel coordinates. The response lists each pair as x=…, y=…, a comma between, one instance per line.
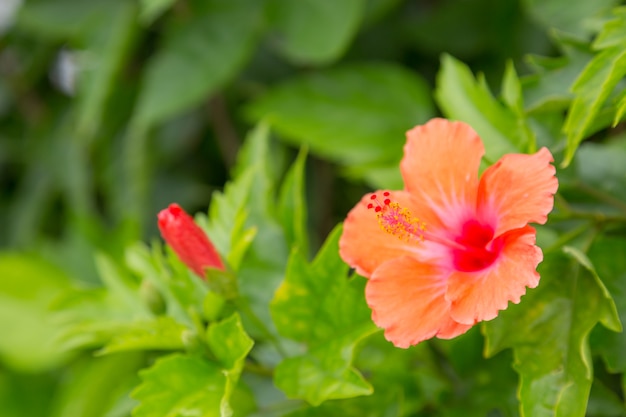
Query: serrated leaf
x=317, y=304
x=317, y=301
x=229, y=342
x=162, y=333
x=548, y=332
x=299, y=23
x=356, y=115
x=199, y=55
x=292, y=209
x=178, y=385
x=592, y=89
x=324, y=373
x=461, y=97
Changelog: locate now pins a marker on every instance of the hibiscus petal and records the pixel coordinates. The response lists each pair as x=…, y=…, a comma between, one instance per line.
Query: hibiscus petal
x=518, y=189
x=407, y=298
x=440, y=166
x=364, y=245
x=478, y=296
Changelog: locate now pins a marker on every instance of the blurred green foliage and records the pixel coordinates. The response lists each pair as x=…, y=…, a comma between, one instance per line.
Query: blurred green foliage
x=278, y=115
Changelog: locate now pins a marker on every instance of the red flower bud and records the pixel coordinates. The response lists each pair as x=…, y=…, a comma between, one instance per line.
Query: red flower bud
x=190, y=243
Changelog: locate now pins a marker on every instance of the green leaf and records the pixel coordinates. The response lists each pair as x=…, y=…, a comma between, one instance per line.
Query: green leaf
x=199, y=55
x=319, y=305
x=612, y=268
x=292, y=209
x=299, y=23
x=462, y=97
x=28, y=286
x=355, y=115
x=229, y=342
x=548, y=332
x=178, y=385
x=162, y=333
x=592, y=89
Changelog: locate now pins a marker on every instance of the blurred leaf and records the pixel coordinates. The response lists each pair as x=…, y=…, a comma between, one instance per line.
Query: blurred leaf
x=198, y=56
x=292, y=208
x=356, y=115
x=461, y=97
x=604, y=403
x=612, y=268
x=614, y=31
x=180, y=288
x=178, y=385
x=28, y=286
x=315, y=31
x=601, y=167
x=229, y=342
x=317, y=304
x=462, y=29
x=93, y=387
x=548, y=89
x=568, y=16
x=60, y=19
x=162, y=333
x=548, y=332
x=108, y=44
x=152, y=9
x=592, y=89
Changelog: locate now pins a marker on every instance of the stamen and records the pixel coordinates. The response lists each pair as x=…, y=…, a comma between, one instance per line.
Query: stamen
x=397, y=220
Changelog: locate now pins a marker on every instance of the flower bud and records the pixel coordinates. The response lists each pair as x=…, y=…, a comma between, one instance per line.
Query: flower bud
x=188, y=240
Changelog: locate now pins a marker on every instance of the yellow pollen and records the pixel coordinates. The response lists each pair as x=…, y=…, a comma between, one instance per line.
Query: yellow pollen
x=398, y=221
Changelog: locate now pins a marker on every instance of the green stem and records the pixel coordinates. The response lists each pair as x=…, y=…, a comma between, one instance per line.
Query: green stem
x=242, y=304
x=601, y=196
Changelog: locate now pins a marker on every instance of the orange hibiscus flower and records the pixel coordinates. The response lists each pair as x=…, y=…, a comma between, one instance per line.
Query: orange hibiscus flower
x=450, y=249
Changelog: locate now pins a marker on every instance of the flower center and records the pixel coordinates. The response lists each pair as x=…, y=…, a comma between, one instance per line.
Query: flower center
x=472, y=250
x=479, y=250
